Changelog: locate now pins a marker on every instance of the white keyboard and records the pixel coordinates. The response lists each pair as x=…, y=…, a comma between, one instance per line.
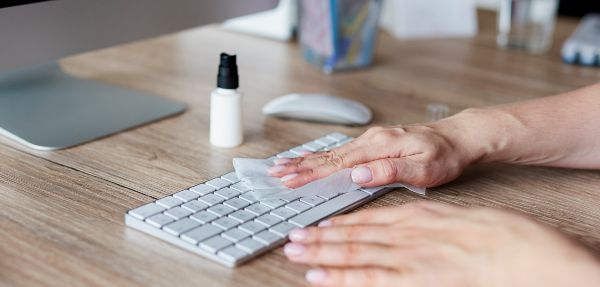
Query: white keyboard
x=218, y=220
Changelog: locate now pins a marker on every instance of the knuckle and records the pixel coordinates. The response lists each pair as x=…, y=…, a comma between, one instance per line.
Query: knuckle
x=351, y=251
x=314, y=252
x=388, y=169
x=383, y=136
x=374, y=130
x=374, y=276
x=352, y=231
x=334, y=159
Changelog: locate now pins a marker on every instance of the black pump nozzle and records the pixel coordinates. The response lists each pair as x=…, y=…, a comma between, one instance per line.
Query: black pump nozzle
x=228, y=74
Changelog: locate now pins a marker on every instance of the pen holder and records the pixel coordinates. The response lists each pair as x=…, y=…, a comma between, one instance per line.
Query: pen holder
x=338, y=34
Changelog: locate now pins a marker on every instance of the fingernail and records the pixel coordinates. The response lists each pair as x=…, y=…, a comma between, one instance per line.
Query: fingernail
x=325, y=223
x=279, y=161
x=362, y=174
x=289, y=176
x=298, y=235
x=316, y=276
x=276, y=168
x=293, y=249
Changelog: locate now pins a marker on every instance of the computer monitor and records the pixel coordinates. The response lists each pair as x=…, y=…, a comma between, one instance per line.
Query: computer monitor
x=44, y=108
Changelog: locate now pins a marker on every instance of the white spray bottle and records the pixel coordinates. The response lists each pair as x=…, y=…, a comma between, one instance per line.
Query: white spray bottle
x=226, y=106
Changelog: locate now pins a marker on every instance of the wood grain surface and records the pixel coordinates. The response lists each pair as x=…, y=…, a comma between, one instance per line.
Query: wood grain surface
x=61, y=212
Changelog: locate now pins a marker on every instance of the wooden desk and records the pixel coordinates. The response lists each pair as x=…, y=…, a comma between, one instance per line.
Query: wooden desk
x=61, y=213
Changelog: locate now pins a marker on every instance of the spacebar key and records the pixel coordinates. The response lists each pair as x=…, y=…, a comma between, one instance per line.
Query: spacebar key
x=328, y=208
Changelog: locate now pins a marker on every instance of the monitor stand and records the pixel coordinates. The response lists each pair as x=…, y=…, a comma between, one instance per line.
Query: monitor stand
x=46, y=109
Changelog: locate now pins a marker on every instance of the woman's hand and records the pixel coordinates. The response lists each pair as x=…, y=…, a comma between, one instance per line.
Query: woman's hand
x=432, y=244
x=421, y=155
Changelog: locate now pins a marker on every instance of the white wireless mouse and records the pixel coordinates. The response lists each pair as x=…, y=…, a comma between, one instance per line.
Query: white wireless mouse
x=319, y=108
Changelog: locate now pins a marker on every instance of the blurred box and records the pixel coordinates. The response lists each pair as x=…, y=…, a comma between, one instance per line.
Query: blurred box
x=338, y=34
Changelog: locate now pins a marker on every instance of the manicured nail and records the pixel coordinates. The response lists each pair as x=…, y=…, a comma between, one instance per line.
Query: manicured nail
x=276, y=169
x=289, y=176
x=293, y=249
x=325, y=223
x=282, y=160
x=316, y=276
x=362, y=174
x=298, y=235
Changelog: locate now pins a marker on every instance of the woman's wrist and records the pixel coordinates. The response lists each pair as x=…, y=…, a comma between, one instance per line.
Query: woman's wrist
x=481, y=135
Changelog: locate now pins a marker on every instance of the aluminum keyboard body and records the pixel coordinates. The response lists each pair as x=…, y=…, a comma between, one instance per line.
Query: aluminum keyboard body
x=216, y=220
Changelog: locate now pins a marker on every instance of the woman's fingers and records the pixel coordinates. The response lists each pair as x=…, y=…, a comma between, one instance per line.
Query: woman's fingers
x=387, y=215
x=350, y=254
x=315, y=168
x=351, y=277
x=377, y=234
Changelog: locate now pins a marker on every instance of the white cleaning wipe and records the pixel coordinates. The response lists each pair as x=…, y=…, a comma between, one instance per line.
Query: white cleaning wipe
x=254, y=173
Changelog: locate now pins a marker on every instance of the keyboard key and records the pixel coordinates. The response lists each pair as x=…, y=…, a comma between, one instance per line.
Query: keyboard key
x=218, y=183
x=344, y=141
x=267, y=237
x=147, y=210
x=273, y=203
x=201, y=233
x=236, y=203
x=283, y=213
x=169, y=201
x=232, y=254
x=226, y=223
x=328, y=195
x=252, y=227
x=194, y=206
x=186, y=195
x=248, y=197
x=337, y=136
x=313, y=146
x=242, y=215
x=220, y=210
x=159, y=220
x=178, y=212
x=250, y=245
x=211, y=199
x=300, y=150
x=312, y=200
x=204, y=217
x=298, y=206
x=231, y=177
x=282, y=229
x=236, y=234
x=215, y=244
x=326, y=141
x=227, y=193
x=241, y=187
x=287, y=154
x=328, y=208
x=181, y=226
x=373, y=190
x=258, y=208
x=202, y=189
x=268, y=220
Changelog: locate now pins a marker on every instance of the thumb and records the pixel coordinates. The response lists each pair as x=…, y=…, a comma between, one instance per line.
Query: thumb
x=382, y=172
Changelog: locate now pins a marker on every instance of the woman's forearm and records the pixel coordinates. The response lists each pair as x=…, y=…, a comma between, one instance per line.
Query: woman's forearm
x=561, y=130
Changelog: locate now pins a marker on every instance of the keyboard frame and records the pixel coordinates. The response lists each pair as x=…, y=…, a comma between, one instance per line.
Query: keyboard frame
x=145, y=227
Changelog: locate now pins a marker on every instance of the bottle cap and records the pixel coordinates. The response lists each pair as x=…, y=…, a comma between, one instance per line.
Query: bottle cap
x=228, y=74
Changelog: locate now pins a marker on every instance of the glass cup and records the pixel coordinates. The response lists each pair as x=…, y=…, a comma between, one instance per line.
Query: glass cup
x=526, y=24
